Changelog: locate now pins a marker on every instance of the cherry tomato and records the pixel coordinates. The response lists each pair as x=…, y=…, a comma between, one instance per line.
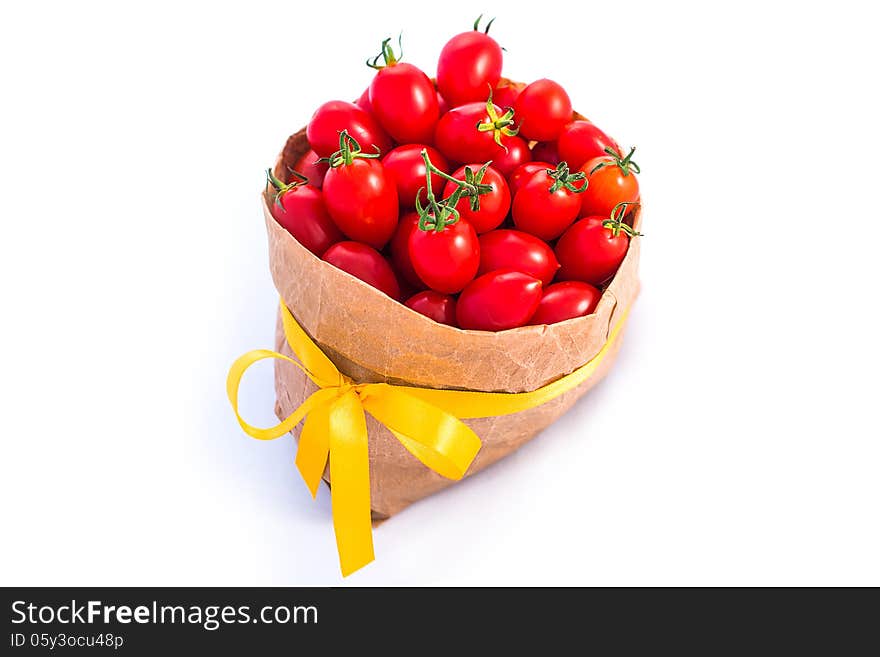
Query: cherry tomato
x=612, y=181
x=406, y=166
x=469, y=65
x=523, y=172
x=363, y=101
x=447, y=259
x=442, y=104
x=360, y=196
x=517, y=153
x=403, y=99
x=313, y=170
x=502, y=299
x=366, y=263
x=334, y=116
x=546, y=204
x=299, y=208
x=506, y=93
x=593, y=248
x=581, y=141
x=460, y=139
x=566, y=300
x=439, y=307
x=546, y=151
x=543, y=109
x=494, y=205
x=400, y=249
x=514, y=249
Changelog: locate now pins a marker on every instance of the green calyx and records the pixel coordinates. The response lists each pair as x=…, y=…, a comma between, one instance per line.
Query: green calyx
x=436, y=215
x=349, y=149
x=477, y=24
x=282, y=188
x=564, y=178
x=615, y=222
x=626, y=164
x=498, y=125
x=387, y=54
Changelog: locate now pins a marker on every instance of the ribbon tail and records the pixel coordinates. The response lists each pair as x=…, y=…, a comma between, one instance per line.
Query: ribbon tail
x=314, y=447
x=436, y=438
x=350, y=482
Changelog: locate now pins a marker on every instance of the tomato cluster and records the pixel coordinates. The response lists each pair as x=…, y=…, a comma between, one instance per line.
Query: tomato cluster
x=478, y=202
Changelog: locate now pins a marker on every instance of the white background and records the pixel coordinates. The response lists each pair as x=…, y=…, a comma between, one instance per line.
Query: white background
x=735, y=442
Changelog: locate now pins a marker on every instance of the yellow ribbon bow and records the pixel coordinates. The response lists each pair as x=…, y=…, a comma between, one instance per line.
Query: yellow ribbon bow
x=426, y=421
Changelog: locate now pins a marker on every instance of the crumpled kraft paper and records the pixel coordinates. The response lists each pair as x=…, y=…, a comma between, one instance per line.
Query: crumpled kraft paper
x=372, y=338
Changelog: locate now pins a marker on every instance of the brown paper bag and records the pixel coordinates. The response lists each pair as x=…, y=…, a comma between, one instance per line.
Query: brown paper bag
x=372, y=338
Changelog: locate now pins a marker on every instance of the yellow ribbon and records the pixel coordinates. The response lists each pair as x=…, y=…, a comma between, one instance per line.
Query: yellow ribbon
x=427, y=422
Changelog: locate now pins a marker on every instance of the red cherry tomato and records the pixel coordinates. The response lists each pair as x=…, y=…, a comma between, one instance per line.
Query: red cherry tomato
x=442, y=104
x=363, y=101
x=299, y=208
x=523, y=172
x=460, y=139
x=517, y=153
x=336, y=115
x=543, y=109
x=612, y=181
x=400, y=249
x=506, y=93
x=365, y=263
x=591, y=251
x=360, y=196
x=502, y=299
x=403, y=99
x=439, y=307
x=309, y=166
x=547, y=204
x=406, y=166
x=546, y=151
x=447, y=259
x=469, y=65
x=494, y=205
x=581, y=141
x=514, y=249
x=566, y=300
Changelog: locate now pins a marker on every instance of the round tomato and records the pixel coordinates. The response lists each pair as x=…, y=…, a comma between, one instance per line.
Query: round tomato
x=612, y=181
x=515, y=154
x=506, y=93
x=309, y=166
x=469, y=65
x=502, y=299
x=400, y=249
x=363, y=101
x=403, y=99
x=566, y=300
x=335, y=116
x=581, y=141
x=593, y=248
x=360, y=196
x=474, y=132
x=446, y=259
x=407, y=167
x=366, y=263
x=492, y=207
x=514, y=249
x=547, y=203
x=439, y=307
x=299, y=208
x=543, y=109
x=546, y=151
x=523, y=172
